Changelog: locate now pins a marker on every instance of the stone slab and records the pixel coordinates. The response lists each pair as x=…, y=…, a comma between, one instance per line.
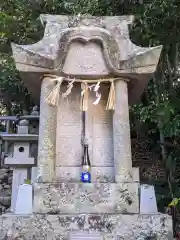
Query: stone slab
x=72, y=174
x=34, y=173
x=24, y=200
x=16, y=161
x=148, y=202
x=110, y=227
x=69, y=198
x=19, y=176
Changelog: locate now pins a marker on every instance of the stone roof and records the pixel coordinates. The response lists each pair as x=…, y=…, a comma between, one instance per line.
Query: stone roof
x=121, y=57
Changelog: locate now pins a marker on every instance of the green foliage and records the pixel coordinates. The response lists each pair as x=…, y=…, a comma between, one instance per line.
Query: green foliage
x=174, y=202
x=27, y=181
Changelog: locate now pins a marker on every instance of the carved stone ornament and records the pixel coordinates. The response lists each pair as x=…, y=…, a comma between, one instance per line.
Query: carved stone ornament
x=87, y=47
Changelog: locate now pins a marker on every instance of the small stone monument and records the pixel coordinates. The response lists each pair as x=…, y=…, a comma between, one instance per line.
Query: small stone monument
x=88, y=72
x=148, y=203
x=24, y=199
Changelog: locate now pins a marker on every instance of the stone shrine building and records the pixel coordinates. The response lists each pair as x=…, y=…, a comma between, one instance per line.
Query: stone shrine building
x=85, y=72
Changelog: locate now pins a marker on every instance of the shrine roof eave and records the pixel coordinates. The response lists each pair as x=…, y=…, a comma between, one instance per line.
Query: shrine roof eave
x=138, y=76
x=140, y=60
x=49, y=55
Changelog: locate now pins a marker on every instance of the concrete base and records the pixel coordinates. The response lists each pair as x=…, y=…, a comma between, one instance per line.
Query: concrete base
x=110, y=227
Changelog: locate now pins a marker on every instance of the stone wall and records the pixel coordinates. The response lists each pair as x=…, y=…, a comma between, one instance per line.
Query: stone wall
x=5, y=189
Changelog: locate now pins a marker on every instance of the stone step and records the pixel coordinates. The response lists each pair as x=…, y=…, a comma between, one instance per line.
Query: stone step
x=109, y=226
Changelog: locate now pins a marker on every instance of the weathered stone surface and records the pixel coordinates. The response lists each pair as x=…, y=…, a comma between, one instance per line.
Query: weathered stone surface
x=73, y=174
x=98, y=174
x=127, y=197
x=121, y=134
x=110, y=227
x=69, y=130
x=59, y=198
x=99, y=130
x=47, y=135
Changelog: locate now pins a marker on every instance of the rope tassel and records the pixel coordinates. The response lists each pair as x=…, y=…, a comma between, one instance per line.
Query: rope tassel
x=53, y=98
x=111, y=98
x=84, y=96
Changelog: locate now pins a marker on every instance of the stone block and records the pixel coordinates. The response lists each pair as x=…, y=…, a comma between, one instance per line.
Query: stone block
x=15, y=161
x=109, y=226
x=72, y=174
x=96, y=198
x=24, y=200
x=55, y=198
x=19, y=176
x=127, y=197
x=148, y=202
x=69, y=198
x=34, y=174
x=98, y=174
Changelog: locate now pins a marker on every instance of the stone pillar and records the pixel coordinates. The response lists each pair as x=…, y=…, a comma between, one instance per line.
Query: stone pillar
x=121, y=134
x=47, y=135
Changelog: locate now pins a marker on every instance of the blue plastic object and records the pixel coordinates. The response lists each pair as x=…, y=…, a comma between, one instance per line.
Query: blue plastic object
x=86, y=177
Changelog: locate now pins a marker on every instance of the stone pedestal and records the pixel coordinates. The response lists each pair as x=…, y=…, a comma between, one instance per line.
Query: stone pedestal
x=109, y=226
x=76, y=198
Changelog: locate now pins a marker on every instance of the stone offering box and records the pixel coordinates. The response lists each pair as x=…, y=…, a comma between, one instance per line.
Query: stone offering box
x=88, y=71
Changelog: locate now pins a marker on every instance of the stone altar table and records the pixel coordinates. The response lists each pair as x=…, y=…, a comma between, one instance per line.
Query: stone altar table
x=75, y=51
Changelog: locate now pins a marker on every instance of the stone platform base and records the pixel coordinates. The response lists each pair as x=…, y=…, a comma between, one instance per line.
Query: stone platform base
x=77, y=198
x=105, y=227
